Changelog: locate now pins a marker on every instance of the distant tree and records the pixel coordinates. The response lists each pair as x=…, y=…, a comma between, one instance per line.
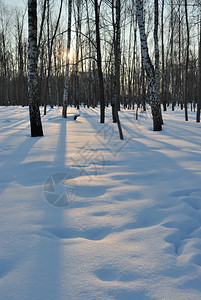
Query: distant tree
x=20, y=54
x=5, y=71
x=50, y=52
x=90, y=100
x=34, y=112
x=78, y=11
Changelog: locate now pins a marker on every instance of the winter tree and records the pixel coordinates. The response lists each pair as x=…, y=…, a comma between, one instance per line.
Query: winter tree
x=34, y=112
x=117, y=57
x=150, y=71
x=199, y=79
x=99, y=62
x=66, y=80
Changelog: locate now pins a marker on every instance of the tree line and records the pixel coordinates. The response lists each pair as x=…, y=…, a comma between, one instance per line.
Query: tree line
x=133, y=53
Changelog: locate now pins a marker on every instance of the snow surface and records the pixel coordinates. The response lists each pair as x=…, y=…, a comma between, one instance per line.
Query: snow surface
x=129, y=225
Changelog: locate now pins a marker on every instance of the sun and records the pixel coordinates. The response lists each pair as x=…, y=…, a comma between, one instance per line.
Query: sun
x=70, y=55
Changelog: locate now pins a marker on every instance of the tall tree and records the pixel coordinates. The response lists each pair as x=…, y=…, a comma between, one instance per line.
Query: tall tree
x=66, y=80
x=163, y=57
x=172, y=25
x=187, y=62
x=99, y=62
x=51, y=52
x=34, y=112
x=199, y=79
x=148, y=65
x=117, y=59
x=78, y=8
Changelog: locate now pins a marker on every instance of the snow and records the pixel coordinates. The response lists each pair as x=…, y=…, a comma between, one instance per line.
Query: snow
x=84, y=215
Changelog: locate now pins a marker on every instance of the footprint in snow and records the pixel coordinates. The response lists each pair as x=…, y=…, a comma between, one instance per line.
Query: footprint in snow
x=194, y=202
x=184, y=229
x=93, y=234
x=187, y=226
x=188, y=192
x=100, y=214
x=110, y=273
x=6, y=267
x=196, y=259
x=175, y=240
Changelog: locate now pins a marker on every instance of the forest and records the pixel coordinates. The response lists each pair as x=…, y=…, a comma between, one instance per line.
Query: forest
x=105, y=54
x=102, y=201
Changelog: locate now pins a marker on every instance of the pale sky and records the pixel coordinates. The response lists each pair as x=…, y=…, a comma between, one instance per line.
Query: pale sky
x=14, y=3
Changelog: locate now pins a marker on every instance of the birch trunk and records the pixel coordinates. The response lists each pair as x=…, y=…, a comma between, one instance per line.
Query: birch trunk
x=66, y=80
x=153, y=92
x=34, y=112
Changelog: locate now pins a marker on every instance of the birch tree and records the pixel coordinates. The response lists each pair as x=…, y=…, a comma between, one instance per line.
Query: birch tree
x=148, y=65
x=66, y=80
x=34, y=112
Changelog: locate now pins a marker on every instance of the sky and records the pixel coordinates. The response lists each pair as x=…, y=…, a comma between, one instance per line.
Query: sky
x=15, y=2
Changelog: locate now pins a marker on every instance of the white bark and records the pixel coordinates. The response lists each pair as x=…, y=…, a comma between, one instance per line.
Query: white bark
x=148, y=65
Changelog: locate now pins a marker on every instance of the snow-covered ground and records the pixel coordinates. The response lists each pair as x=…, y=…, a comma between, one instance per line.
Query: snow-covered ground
x=84, y=215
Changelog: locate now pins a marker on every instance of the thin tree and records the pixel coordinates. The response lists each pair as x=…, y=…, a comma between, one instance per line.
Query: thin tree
x=90, y=90
x=117, y=58
x=78, y=4
x=187, y=63
x=163, y=57
x=34, y=112
x=66, y=80
x=99, y=62
x=50, y=54
x=199, y=79
x=20, y=44
x=157, y=56
x=172, y=27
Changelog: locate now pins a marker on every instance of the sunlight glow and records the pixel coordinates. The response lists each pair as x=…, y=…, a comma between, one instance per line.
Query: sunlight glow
x=70, y=55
